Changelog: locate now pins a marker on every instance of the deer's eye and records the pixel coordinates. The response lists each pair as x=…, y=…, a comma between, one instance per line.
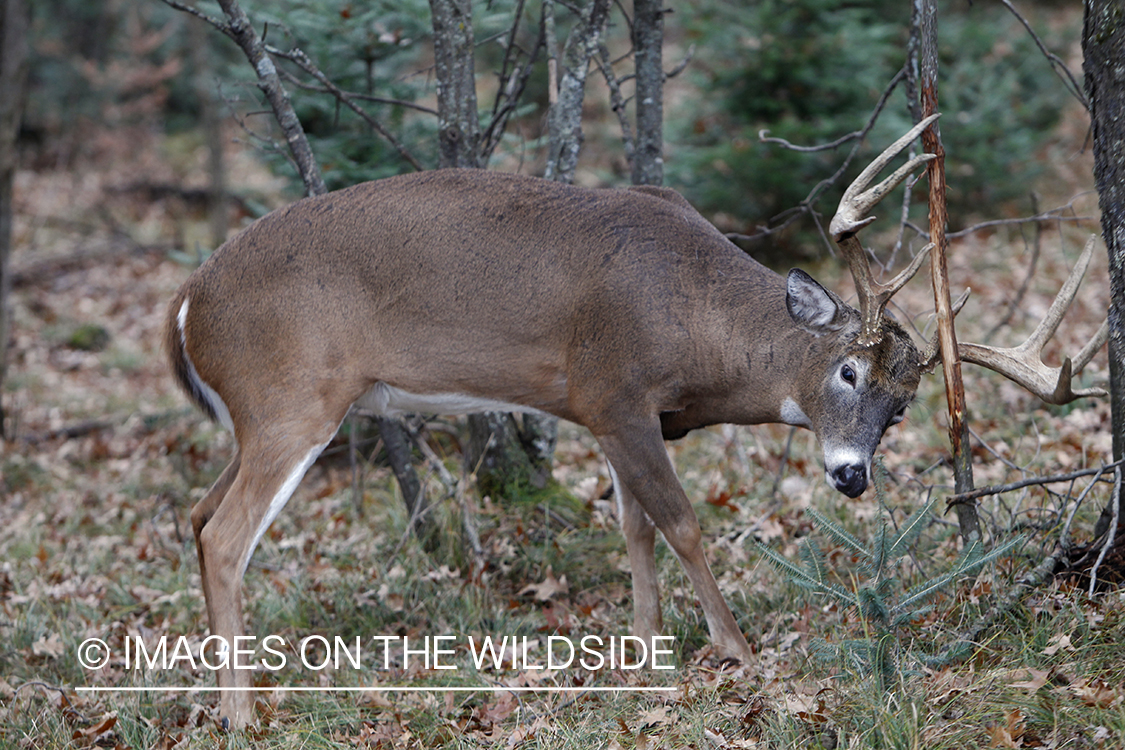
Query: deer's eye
x=899, y=416
x=848, y=374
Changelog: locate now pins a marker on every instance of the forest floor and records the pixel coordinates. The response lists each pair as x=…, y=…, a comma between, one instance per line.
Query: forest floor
x=105, y=459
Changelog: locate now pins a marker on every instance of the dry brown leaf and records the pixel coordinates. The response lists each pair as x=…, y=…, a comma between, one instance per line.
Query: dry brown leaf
x=546, y=589
x=654, y=717
x=1010, y=733
x=98, y=735
x=51, y=646
x=1038, y=678
x=1095, y=693
x=1060, y=642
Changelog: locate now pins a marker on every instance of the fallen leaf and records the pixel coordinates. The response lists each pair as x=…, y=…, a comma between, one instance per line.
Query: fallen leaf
x=51, y=646
x=1009, y=734
x=1038, y=679
x=1060, y=642
x=549, y=586
x=1095, y=693
x=654, y=717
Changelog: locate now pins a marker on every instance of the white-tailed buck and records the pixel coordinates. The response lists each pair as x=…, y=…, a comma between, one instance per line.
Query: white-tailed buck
x=623, y=311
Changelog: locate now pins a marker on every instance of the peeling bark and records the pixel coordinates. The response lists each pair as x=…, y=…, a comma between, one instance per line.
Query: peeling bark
x=939, y=217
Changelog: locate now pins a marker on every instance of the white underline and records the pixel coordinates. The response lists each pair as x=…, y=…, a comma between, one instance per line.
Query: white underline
x=319, y=689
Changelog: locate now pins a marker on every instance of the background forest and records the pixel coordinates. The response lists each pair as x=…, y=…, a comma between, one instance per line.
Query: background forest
x=144, y=142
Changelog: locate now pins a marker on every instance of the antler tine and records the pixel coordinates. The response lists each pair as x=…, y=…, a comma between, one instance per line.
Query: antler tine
x=858, y=199
x=932, y=352
x=1023, y=364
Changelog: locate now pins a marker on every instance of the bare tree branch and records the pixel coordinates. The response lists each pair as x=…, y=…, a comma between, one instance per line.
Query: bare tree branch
x=996, y=489
x=1017, y=299
x=513, y=82
x=617, y=102
x=1069, y=82
x=765, y=137
x=270, y=83
x=290, y=78
x=806, y=206
x=218, y=23
x=301, y=60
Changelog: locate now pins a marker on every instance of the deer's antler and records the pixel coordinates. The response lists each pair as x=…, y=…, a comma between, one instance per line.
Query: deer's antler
x=1024, y=364
x=850, y=218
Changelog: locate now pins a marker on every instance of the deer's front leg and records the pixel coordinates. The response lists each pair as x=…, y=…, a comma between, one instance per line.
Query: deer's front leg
x=642, y=468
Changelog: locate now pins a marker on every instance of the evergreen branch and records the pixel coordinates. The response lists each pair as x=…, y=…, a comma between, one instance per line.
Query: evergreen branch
x=804, y=579
x=912, y=529
x=814, y=561
x=837, y=532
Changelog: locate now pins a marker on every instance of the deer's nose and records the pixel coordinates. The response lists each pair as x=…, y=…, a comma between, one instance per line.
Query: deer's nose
x=850, y=479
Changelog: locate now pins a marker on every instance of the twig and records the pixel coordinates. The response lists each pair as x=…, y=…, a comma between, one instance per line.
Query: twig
x=806, y=206
x=783, y=463
x=355, y=95
x=765, y=137
x=510, y=91
x=617, y=101
x=1048, y=216
x=192, y=10
x=1064, y=536
x=1060, y=68
x=1111, y=534
x=82, y=429
x=301, y=60
x=1036, y=246
x=682, y=64
x=965, y=497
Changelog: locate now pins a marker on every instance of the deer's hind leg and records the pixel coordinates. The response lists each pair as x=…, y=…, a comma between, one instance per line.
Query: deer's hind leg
x=275, y=452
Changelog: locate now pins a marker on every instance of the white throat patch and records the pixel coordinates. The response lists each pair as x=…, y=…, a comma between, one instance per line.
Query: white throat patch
x=793, y=415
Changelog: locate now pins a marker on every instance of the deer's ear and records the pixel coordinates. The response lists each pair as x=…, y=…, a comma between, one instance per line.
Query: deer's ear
x=812, y=307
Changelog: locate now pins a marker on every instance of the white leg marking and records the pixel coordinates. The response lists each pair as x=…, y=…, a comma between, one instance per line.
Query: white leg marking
x=616, y=494
x=288, y=487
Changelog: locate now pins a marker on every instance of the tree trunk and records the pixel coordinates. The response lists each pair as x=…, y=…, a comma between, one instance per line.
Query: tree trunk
x=648, y=45
x=13, y=73
x=1103, y=47
x=458, y=120
x=496, y=451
